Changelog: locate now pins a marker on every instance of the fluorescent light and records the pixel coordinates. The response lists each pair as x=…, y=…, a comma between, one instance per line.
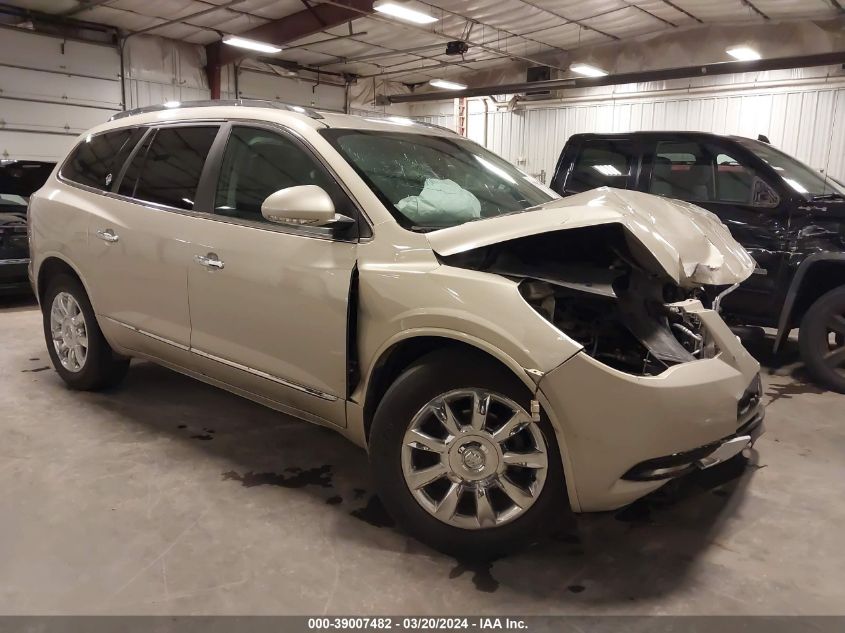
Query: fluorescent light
x=172, y=104
x=743, y=53
x=607, y=170
x=242, y=42
x=402, y=11
x=587, y=70
x=447, y=85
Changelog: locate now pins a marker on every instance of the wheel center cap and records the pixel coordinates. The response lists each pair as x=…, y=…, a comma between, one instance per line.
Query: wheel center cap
x=473, y=458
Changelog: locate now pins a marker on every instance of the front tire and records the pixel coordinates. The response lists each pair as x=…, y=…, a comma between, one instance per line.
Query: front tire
x=458, y=461
x=76, y=345
x=822, y=340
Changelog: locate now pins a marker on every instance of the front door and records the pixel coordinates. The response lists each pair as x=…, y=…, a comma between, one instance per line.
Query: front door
x=269, y=301
x=716, y=178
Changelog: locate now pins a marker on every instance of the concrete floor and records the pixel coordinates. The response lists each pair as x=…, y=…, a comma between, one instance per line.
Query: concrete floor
x=170, y=497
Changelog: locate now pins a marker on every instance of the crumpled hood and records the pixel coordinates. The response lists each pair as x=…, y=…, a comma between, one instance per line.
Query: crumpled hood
x=691, y=244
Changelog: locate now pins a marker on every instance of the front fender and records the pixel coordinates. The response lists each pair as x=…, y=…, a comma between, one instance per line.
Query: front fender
x=786, y=313
x=482, y=309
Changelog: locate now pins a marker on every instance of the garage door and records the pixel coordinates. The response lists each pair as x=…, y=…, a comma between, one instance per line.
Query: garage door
x=52, y=90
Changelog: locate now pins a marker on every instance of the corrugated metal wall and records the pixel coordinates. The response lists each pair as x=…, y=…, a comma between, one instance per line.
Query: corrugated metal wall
x=802, y=112
x=160, y=70
x=52, y=90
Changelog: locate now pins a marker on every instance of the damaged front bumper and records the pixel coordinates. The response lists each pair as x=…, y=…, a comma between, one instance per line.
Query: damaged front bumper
x=623, y=435
x=679, y=464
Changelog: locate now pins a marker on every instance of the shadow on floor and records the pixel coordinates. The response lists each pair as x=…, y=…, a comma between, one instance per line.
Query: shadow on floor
x=640, y=551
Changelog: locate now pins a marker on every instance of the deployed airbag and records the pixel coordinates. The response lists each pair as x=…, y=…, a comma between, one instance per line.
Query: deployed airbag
x=440, y=202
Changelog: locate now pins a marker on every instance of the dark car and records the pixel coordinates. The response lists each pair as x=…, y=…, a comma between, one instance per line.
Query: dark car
x=19, y=179
x=789, y=217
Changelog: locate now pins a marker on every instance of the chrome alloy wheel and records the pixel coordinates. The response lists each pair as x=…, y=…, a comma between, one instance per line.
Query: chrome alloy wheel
x=69, y=331
x=474, y=459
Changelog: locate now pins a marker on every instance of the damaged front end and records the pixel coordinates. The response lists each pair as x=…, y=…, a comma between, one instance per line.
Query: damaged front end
x=601, y=288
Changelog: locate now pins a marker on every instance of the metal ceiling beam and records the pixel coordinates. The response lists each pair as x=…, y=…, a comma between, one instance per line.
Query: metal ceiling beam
x=309, y=21
x=445, y=38
x=295, y=26
x=182, y=19
x=387, y=53
x=84, y=5
x=682, y=10
x=705, y=70
x=751, y=6
x=578, y=22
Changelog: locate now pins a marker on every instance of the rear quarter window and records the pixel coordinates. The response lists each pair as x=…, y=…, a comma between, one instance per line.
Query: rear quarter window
x=168, y=172
x=97, y=159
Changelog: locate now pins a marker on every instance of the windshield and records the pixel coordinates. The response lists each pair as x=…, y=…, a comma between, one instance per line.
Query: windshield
x=797, y=175
x=432, y=182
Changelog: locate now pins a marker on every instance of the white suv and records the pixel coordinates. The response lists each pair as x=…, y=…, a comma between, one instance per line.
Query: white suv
x=499, y=351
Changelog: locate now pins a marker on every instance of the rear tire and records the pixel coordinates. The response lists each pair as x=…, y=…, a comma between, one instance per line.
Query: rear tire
x=484, y=505
x=822, y=340
x=76, y=345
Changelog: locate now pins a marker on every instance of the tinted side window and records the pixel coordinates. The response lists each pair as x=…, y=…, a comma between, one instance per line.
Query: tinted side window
x=601, y=163
x=96, y=161
x=133, y=169
x=734, y=181
x=701, y=172
x=169, y=171
x=257, y=163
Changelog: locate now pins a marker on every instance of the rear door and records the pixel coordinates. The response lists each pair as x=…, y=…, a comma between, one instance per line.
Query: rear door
x=720, y=178
x=598, y=162
x=138, y=238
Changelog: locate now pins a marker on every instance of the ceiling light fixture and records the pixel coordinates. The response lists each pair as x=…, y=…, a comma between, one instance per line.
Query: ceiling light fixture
x=743, y=53
x=253, y=45
x=447, y=85
x=587, y=70
x=404, y=11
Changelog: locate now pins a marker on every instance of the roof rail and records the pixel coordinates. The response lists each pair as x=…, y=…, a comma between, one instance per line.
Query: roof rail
x=245, y=103
x=442, y=128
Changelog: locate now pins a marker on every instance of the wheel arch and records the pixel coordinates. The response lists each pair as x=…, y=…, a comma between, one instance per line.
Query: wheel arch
x=815, y=276
x=399, y=353
x=51, y=266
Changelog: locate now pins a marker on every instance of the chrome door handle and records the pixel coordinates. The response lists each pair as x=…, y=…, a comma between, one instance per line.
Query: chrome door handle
x=209, y=261
x=107, y=235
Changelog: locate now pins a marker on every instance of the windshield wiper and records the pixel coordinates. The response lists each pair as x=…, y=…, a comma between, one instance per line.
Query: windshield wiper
x=829, y=196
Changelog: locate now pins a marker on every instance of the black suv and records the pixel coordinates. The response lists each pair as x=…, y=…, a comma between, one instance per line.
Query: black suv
x=789, y=217
x=19, y=179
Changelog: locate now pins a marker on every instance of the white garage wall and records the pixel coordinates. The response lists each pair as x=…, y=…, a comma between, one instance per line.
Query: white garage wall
x=802, y=112
x=159, y=70
x=263, y=84
x=52, y=90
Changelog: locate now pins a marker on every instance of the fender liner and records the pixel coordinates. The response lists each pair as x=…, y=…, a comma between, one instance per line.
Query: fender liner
x=795, y=287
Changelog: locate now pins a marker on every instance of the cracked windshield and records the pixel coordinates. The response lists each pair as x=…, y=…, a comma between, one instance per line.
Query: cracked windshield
x=433, y=182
